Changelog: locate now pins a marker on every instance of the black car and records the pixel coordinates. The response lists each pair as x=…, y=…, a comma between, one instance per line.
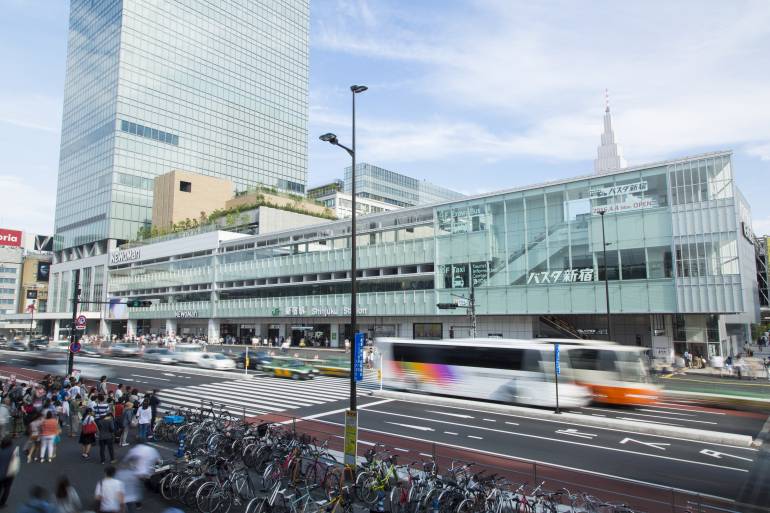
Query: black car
x=38, y=344
x=256, y=359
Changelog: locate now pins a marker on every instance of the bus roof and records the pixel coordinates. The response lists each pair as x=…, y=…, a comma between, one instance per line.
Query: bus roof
x=471, y=342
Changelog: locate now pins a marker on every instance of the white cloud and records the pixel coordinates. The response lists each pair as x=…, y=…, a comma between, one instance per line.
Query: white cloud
x=36, y=112
x=681, y=76
x=27, y=206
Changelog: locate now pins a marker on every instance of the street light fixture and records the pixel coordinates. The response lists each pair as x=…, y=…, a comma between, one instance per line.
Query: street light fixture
x=332, y=139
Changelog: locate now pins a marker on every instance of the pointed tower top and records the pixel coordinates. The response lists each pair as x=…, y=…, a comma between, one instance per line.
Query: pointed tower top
x=609, y=154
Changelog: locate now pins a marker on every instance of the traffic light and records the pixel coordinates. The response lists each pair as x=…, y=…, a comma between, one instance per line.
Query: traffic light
x=138, y=303
x=446, y=306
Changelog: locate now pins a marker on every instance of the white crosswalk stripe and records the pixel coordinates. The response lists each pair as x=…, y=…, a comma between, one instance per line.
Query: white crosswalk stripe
x=264, y=394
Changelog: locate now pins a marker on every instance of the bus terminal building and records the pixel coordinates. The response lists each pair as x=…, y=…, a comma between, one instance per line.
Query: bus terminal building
x=679, y=249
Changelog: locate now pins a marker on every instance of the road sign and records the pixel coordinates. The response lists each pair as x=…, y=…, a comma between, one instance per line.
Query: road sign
x=463, y=302
x=75, y=347
x=351, y=437
x=556, y=358
x=359, y=356
x=80, y=321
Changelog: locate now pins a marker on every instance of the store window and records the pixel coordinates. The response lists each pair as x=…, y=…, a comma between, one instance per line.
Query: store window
x=427, y=330
x=659, y=264
x=612, y=265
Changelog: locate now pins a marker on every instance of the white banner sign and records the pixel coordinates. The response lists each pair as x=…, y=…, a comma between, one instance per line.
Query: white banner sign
x=321, y=311
x=625, y=206
x=563, y=276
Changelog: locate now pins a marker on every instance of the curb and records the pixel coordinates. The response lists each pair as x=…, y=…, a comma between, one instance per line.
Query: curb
x=699, y=435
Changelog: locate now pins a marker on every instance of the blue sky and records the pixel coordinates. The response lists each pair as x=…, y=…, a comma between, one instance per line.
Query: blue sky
x=475, y=95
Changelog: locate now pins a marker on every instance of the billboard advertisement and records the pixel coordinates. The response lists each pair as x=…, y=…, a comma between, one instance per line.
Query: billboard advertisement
x=10, y=237
x=118, y=309
x=43, y=271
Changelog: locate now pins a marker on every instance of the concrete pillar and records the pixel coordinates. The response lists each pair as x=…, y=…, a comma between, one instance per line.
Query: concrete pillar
x=104, y=328
x=170, y=326
x=56, y=329
x=213, y=331
x=131, y=328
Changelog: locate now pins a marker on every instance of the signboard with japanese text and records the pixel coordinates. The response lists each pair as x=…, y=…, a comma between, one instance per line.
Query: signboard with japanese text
x=358, y=347
x=563, y=276
x=618, y=190
x=351, y=437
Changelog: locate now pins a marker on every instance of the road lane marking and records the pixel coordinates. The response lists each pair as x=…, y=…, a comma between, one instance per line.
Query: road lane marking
x=647, y=421
x=450, y=433
x=169, y=374
x=341, y=410
x=150, y=377
x=575, y=432
x=489, y=420
x=718, y=455
x=461, y=416
x=657, y=445
x=400, y=449
x=559, y=440
x=426, y=455
x=666, y=412
x=672, y=406
x=669, y=418
x=512, y=423
x=476, y=437
x=411, y=426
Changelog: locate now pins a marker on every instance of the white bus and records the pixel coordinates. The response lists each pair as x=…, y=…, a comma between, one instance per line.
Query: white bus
x=509, y=371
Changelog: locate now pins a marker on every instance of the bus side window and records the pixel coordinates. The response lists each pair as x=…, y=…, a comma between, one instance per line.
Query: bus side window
x=531, y=360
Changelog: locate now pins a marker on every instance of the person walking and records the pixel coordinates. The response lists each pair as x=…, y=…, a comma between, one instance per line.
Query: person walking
x=110, y=493
x=88, y=429
x=37, y=502
x=10, y=461
x=102, y=386
x=144, y=415
x=49, y=431
x=101, y=408
x=5, y=416
x=33, y=443
x=154, y=403
x=106, y=427
x=66, y=498
x=132, y=483
x=129, y=415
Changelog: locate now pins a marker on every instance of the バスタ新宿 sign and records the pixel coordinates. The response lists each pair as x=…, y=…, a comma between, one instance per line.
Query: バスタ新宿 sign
x=563, y=276
x=10, y=237
x=617, y=190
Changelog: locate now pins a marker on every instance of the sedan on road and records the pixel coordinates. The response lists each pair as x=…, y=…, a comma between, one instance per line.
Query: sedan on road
x=123, y=350
x=256, y=359
x=159, y=355
x=38, y=344
x=215, y=361
x=17, y=345
x=289, y=368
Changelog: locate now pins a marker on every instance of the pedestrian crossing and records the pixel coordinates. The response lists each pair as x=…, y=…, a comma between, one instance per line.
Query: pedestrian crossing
x=258, y=395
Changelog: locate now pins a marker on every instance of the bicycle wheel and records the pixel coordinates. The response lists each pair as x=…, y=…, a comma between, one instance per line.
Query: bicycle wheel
x=207, y=497
x=166, y=491
x=368, y=492
x=242, y=484
x=399, y=499
x=188, y=494
x=258, y=505
x=248, y=455
x=332, y=482
x=271, y=476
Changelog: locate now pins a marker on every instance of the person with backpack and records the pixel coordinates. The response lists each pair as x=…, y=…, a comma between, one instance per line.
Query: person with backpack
x=88, y=429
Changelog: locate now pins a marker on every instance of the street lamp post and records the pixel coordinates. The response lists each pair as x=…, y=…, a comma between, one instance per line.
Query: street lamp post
x=606, y=279
x=332, y=139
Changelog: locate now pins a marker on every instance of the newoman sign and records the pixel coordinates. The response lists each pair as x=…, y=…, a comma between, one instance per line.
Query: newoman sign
x=125, y=255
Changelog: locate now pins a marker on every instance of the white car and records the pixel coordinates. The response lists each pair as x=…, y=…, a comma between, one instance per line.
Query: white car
x=215, y=361
x=188, y=353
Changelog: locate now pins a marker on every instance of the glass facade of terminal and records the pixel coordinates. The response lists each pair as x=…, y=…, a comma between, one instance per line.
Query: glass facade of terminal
x=679, y=265
x=218, y=87
x=390, y=187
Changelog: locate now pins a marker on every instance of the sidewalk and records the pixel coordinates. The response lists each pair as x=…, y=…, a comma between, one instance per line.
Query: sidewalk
x=83, y=475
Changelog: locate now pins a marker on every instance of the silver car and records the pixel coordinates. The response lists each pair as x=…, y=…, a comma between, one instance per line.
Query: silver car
x=159, y=355
x=123, y=350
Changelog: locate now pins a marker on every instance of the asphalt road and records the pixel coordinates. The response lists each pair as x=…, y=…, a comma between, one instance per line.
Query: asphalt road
x=700, y=467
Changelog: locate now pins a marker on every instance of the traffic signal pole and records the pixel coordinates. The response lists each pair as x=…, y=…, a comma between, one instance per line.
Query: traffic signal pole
x=75, y=302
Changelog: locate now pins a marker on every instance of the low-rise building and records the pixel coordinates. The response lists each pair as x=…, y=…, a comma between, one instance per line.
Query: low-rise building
x=680, y=267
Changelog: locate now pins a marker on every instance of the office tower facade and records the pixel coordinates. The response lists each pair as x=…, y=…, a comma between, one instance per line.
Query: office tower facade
x=218, y=87
x=390, y=187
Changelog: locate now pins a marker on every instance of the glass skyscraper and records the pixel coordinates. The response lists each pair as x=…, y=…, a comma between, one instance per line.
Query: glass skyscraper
x=217, y=87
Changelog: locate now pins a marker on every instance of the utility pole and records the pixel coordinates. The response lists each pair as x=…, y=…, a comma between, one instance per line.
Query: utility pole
x=75, y=303
x=473, y=309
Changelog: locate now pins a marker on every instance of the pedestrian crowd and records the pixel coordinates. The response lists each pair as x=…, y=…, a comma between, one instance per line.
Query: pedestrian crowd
x=39, y=414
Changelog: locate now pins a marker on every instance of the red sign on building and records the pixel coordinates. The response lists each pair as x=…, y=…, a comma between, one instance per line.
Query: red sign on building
x=10, y=237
